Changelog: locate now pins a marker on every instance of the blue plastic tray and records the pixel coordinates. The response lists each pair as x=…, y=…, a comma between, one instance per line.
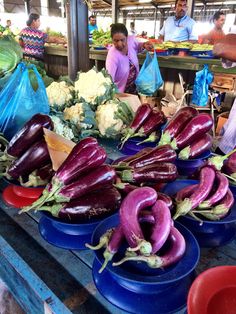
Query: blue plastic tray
x=210, y=233
x=137, y=288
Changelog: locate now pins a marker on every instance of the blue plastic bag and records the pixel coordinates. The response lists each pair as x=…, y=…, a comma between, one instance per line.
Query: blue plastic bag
x=19, y=101
x=149, y=79
x=201, y=84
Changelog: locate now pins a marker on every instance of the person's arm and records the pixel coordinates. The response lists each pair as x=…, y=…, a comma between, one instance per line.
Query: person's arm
x=111, y=65
x=225, y=48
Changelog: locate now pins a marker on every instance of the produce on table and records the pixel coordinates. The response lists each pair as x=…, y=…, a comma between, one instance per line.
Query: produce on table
x=88, y=206
x=146, y=122
x=201, y=47
x=101, y=38
x=27, y=152
x=94, y=87
x=177, y=123
x=230, y=166
x=10, y=55
x=210, y=198
x=112, y=117
x=195, y=128
x=82, y=172
x=133, y=212
x=60, y=94
x=197, y=147
x=63, y=127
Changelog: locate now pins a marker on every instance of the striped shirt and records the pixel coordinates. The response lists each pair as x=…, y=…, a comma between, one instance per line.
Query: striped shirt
x=33, y=42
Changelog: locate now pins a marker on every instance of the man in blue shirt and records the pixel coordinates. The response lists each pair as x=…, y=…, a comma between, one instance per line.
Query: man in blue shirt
x=179, y=27
x=92, y=27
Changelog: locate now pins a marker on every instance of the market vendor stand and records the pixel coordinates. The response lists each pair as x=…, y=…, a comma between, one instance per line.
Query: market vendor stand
x=44, y=276
x=224, y=79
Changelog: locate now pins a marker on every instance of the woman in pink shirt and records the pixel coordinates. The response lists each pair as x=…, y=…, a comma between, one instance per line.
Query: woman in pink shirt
x=122, y=61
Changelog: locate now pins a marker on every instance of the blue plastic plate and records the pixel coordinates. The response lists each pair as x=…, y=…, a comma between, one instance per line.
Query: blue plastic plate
x=210, y=233
x=100, y=48
x=65, y=235
x=189, y=166
x=143, y=283
x=137, y=303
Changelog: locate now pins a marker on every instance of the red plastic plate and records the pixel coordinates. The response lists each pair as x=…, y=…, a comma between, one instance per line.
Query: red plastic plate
x=22, y=191
x=12, y=199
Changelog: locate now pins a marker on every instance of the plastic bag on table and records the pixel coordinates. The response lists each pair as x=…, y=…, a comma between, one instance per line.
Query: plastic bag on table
x=23, y=96
x=149, y=79
x=202, y=81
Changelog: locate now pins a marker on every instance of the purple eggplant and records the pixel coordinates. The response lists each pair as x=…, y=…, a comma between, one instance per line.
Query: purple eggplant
x=222, y=188
x=195, y=128
x=87, y=158
x=30, y=133
x=128, y=159
x=230, y=166
x=130, y=208
x=35, y=157
x=177, y=123
x=163, y=153
x=197, y=147
x=207, y=177
x=219, y=211
x=88, y=206
x=99, y=177
x=161, y=229
x=177, y=248
x=146, y=216
x=217, y=161
x=159, y=172
x=186, y=192
x=152, y=123
x=45, y=172
x=166, y=199
x=141, y=115
x=102, y=176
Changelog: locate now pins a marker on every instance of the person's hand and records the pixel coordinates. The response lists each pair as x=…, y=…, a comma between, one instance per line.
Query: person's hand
x=148, y=46
x=218, y=49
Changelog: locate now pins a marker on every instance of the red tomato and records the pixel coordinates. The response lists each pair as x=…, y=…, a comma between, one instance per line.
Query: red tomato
x=32, y=193
x=12, y=199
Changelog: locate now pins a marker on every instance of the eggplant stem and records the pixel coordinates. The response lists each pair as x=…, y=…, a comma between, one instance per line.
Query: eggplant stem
x=183, y=208
x=153, y=261
x=107, y=258
x=196, y=218
x=229, y=177
x=143, y=246
x=151, y=138
x=103, y=241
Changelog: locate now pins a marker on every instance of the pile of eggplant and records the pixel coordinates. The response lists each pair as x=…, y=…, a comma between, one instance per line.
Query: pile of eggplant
x=82, y=187
x=26, y=157
x=149, y=166
x=147, y=231
x=187, y=133
x=146, y=123
x=211, y=197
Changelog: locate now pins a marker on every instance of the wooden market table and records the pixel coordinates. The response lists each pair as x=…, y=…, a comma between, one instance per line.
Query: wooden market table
x=47, y=279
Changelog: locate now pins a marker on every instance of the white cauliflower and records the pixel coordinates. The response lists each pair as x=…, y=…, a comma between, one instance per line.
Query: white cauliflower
x=62, y=128
x=59, y=94
x=94, y=87
x=112, y=117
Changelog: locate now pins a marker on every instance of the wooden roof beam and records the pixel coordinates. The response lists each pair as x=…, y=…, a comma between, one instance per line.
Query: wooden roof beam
x=107, y=2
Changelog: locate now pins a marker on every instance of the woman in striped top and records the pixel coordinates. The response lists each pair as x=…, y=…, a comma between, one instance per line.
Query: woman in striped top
x=32, y=40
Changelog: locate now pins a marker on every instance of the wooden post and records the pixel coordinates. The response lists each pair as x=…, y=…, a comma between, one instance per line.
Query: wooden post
x=83, y=38
x=72, y=37
x=114, y=11
x=190, y=7
x=27, y=6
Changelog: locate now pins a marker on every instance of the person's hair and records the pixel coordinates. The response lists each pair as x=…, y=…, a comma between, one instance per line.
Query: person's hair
x=118, y=28
x=176, y=1
x=217, y=15
x=92, y=17
x=131, y=24
x=8, y=21
x=32, y=17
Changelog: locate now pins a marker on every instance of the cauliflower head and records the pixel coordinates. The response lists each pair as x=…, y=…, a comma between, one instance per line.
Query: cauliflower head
x=59, y=94
x=62, y=128
x=94, y=87
x=109, y=125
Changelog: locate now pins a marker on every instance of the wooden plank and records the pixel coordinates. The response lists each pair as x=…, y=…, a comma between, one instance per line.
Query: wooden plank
x=30, y=292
